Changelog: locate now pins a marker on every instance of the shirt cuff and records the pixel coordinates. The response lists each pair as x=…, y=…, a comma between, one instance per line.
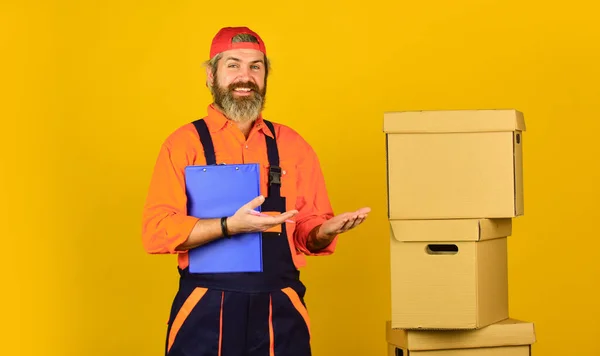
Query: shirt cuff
x=302, y=233
x=180, y=233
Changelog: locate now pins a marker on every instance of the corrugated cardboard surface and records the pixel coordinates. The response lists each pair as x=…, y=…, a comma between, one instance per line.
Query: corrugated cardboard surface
x=451, y=229
x=518, y=158
x=454, y=176
x=509, y=332
x=452, y=121
x=465, y=289
x=488, y=351
x=460, y=164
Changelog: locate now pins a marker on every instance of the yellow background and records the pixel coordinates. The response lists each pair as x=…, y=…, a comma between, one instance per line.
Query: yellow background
x=91, y=88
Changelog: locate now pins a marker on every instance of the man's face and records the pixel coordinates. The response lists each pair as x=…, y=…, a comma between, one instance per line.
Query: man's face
x=239, y=86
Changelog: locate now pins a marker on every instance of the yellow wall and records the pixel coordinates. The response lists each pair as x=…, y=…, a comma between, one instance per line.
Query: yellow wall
x=92, y=88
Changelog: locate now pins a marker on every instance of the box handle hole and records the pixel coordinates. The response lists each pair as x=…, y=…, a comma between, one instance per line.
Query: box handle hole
x=442, y=249
x=518, y=138
x=399, y=352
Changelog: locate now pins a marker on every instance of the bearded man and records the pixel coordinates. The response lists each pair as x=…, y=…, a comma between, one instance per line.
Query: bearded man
x=242, y=314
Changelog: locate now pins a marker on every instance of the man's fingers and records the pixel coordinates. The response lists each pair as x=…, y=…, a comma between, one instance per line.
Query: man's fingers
x=347, y=224
x=290, y=213
x=363, y=211
x=268, y=222
x=256, y=202
x=358, y=221
x=354, y=222
x=285, y=216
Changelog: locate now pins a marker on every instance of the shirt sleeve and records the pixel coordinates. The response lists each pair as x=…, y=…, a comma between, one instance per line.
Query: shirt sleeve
x=314, y=207
x=165, y=223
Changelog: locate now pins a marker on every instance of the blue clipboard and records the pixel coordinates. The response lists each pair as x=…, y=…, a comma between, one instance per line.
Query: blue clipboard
x=214, y=191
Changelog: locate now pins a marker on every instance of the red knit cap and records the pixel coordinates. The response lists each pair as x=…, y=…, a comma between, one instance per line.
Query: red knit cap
x=223, y=41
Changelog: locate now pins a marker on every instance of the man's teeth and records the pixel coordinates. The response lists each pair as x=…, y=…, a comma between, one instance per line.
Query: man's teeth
x=242, y=89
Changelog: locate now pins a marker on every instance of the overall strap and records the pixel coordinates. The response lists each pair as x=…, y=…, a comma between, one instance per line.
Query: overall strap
x=206, y=140
x=274, y=169
x=272, y=152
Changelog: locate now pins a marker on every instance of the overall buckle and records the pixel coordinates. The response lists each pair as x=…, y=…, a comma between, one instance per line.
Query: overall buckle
x=274, y=175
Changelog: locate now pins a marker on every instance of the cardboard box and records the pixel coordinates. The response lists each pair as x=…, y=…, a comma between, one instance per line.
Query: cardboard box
x=449, y=274
x=509, y=337
x=454, y=164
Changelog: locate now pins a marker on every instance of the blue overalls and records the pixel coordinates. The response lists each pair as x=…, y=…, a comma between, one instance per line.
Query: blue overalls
x=243, y=314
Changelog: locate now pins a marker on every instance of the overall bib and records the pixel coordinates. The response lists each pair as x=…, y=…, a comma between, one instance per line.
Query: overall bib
x=243, y=314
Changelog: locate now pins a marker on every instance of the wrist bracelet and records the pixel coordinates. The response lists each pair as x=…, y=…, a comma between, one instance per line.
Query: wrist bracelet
x=224, y=227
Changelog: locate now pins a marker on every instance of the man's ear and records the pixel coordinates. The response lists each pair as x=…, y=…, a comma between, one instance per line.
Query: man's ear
x=209, y=77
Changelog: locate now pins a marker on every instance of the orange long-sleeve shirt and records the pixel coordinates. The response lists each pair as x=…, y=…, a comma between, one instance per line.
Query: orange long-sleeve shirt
x=165, y=223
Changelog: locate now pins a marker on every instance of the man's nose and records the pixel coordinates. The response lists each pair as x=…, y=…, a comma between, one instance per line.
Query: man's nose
x=244, y=73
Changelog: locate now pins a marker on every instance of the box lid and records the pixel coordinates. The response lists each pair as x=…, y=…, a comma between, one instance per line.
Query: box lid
x=509, y=332
x=451, y=229
x=438, y=121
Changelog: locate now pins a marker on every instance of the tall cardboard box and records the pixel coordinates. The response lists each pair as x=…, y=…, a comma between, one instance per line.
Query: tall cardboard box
x=454, y=164
x=449, y=274
x=509, y=337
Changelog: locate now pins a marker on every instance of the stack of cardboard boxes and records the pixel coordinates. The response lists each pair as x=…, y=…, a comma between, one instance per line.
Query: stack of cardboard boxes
x=455, y=182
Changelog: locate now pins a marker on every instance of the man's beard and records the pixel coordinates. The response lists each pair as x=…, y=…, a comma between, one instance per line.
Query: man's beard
x=243, y=108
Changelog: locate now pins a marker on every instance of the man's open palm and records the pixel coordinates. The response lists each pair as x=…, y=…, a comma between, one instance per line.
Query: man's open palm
x=344, y=222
